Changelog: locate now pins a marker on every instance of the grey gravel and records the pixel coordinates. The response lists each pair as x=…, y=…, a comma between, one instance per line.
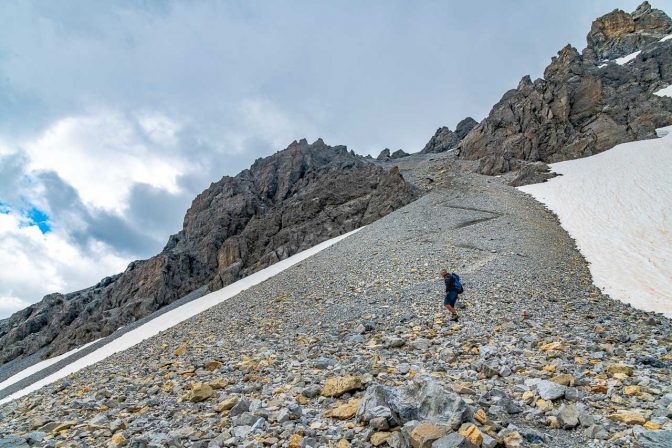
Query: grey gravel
x=530, y=312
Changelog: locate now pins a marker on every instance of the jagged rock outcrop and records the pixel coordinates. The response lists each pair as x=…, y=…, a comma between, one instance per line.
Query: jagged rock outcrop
x=618, y=33
x=442, y=140
x=281, y=205
x=532, y=173
x=385, y=155
x=398, y=154
x=445, y=139
x=464, y=127
x=582, y=106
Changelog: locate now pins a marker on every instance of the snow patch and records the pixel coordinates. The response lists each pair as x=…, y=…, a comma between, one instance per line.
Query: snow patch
x=668, y=37
x=40, y=365
x=162, y=322
x=667, y=91
x=617, y=205
x=627, y=58
x=662, y=132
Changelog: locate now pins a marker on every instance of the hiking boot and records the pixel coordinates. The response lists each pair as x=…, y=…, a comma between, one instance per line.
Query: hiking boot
x=454, y=318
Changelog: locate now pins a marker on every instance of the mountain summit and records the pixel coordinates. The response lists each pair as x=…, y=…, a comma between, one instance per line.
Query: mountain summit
x=281, y=205
x=619, y=33
x=584, y=104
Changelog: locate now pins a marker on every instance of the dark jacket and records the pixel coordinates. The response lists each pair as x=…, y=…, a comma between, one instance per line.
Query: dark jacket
x=450, y=284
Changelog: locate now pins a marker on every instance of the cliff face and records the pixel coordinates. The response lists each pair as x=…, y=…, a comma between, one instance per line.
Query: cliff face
x=584, y=105
x=283, y=204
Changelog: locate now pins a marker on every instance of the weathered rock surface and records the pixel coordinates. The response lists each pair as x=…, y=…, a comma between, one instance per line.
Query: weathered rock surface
x=464, y=127
x=385, y=155
x=582, y=106
x=283, y=204
x=654, y=438
x=398, y=154
x=445, y=139
x=423, y=399
x=618, y=33
x=532, y=173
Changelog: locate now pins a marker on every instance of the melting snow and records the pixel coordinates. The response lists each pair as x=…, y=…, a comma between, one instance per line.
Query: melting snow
x=617, y=205
x=161, y=323
x=667, y=91
x=40, y=365
x=627, y=58
x=662, y=132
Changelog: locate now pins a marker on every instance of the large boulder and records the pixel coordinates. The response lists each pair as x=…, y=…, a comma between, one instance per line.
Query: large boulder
x=423, y=399
x=653, y=439
x=453, y=440
x=532, y=173
x=548, y=390
x=337, y=386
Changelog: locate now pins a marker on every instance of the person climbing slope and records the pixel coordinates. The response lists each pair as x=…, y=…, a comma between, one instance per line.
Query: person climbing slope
x=453, y=288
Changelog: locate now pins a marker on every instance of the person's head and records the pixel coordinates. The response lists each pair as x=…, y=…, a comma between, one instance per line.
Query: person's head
x=443, y=272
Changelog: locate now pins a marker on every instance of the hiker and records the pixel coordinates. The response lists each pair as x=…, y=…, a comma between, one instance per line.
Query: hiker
x=453, y=288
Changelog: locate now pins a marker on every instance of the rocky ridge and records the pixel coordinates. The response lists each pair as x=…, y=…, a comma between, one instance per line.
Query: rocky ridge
x=444, y=139
x=619, y=33
x=351, y=348
x=283, y=204
x=583, y=105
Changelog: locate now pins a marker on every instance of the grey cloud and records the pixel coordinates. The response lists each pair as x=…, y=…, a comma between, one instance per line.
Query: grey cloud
x=157, y=212
x=60, y=196
x=374, y=74
x=12, y=169
x=136, y=235
x=122, y=235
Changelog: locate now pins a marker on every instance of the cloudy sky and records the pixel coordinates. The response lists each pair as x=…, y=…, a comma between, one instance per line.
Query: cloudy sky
x=114, y=115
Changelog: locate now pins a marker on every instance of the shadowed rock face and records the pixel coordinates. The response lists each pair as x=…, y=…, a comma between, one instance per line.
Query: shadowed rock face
x=582, y=106
x=385, y=154
x=444, y=139
x=283, y=204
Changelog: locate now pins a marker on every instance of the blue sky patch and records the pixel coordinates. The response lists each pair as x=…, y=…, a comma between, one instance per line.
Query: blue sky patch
x=39, y=218
x=35, y=216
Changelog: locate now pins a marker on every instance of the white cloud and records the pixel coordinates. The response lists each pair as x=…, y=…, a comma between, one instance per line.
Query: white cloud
x=9, y=305
x=259, y=119
x=33, y=264
x=159, y=128
x=102, y=155
x=98, y=177
x=5, y=148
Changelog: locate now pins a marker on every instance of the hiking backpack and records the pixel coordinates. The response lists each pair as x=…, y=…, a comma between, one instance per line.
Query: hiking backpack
x=457, y=283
